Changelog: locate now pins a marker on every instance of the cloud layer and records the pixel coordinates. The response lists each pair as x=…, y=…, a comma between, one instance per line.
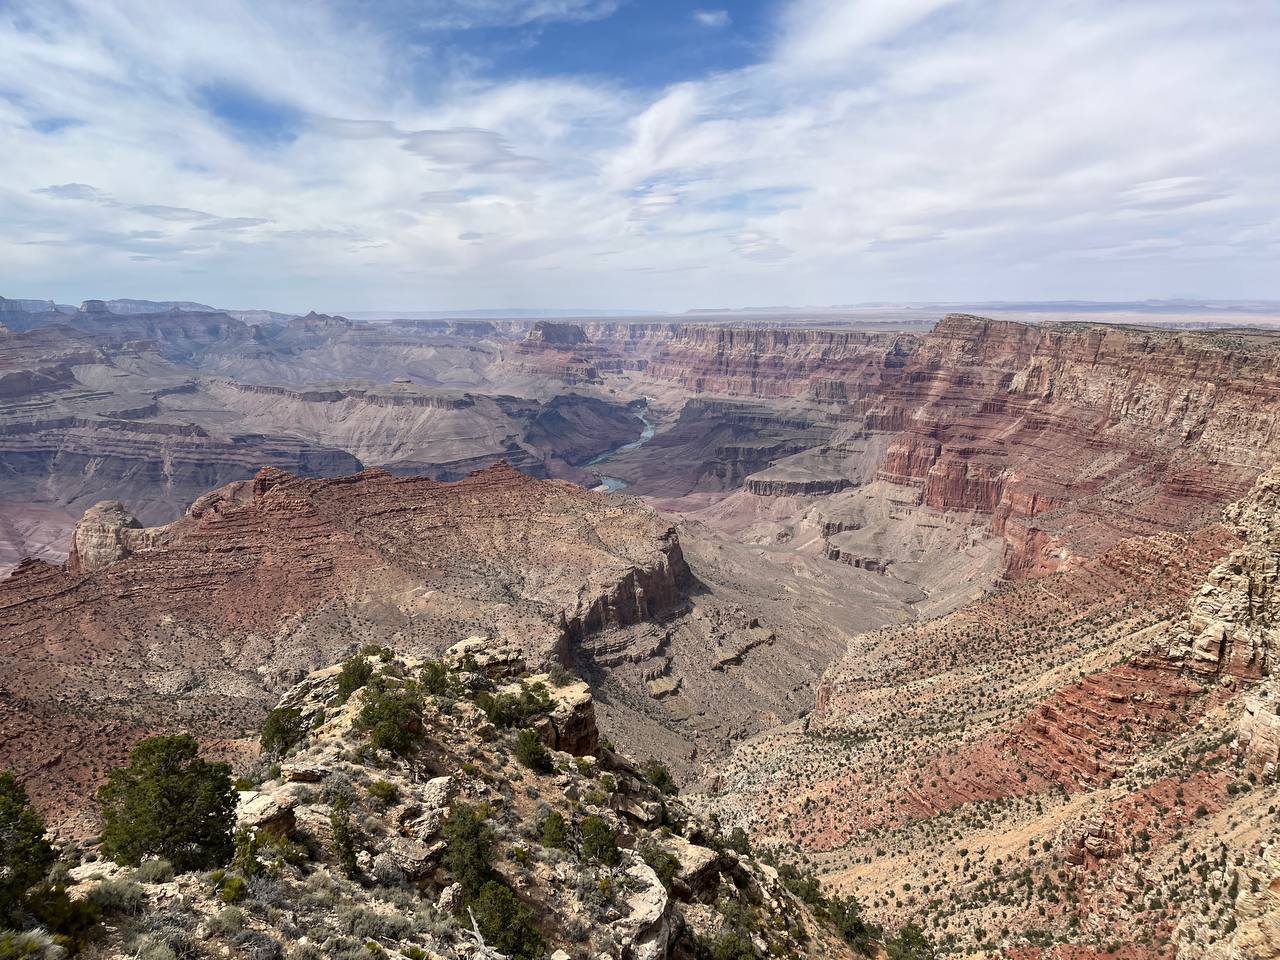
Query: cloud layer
x=251, y=153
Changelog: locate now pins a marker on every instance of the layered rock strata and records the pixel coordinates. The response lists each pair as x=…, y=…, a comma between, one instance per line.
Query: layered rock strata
x=205, y=617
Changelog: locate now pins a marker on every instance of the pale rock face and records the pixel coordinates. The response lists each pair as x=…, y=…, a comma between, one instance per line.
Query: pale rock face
x=572, y=723
x=699, y=866
x=1234, y=626
x=646, y=931
x=1259, y=730
x=106, y=533
x=1257, y=915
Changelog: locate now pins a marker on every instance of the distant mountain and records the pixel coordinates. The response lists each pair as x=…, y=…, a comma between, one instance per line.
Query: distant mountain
x=131, y=307
x=514, y=313
x=261, y=316
x=34, y=306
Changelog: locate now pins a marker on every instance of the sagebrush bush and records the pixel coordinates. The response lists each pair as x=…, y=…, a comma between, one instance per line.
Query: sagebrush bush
x=28, y=945
x=226, y=922
x=154, y=871
x=598, y=842
x=117, y=897
x=531, y=752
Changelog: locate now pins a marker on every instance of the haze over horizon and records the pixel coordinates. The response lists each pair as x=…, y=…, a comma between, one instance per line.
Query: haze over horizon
x=605, y=154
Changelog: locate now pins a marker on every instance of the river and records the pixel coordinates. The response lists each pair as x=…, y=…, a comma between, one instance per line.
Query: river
x=612, y=484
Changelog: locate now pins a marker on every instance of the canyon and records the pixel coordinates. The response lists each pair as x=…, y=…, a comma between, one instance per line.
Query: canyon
x=1000, y=591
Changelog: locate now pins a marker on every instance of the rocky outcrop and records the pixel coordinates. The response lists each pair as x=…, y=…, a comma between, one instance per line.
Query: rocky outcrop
x=1259, y=730
x=209, y=616
x=798, y=487
x=1234, y=620
x=400, y=394
x=1072, y=436
x=1086, y=721
x=106, y=533
x=575, y=844
x=558, y=335
x=1066, y=438
x=640, y=594
x=761, y=362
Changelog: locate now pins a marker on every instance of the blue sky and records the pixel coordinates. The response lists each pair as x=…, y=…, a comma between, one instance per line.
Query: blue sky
x=449, y=154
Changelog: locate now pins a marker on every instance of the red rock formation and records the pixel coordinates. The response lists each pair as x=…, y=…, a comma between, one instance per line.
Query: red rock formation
x=1073, y=437
x=196, y=623
x=1069, y=437
x=761, y=362
x=558, y=350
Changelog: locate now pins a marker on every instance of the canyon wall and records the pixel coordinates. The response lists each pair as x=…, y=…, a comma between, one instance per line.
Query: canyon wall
x=1066, y=437
x=199, y=623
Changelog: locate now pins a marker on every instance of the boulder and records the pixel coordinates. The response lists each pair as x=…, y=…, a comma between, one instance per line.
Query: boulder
x=645, y=932
x=267, y=811
x=572, y=722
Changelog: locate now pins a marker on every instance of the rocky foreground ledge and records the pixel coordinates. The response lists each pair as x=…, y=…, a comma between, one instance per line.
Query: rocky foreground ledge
x=365, y=846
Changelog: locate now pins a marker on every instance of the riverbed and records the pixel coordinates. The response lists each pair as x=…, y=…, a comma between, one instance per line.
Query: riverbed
x=612, y=484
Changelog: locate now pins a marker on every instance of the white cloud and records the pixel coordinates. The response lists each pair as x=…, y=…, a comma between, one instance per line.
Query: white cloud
x=822, y=32
x=914, y=149
x=715, y=19
x=469, y=14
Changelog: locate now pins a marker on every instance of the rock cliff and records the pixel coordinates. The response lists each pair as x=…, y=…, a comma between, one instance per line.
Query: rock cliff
x=261, y=580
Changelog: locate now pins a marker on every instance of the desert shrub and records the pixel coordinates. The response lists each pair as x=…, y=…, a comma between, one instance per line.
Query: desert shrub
x=393, y=720
x=158, y=870
x=355, y=673
x=434, y=677
x=731, y=945
x=598, y=842
x=245, y=858
x=367, y=924
x=531, y=752
x=167, y=802
x=801, y=883
x=384, y=792
x=256, y=945
x=845, y=914
x=344, y=834
x=910, y=943
x=154, y=950
x=469, y=846
x=227, y=922
x=72, y=922
x=559, y=676
x=664, y=863
x=305, y=951
x=28, y=945
x=738, y=841
x=117, y=897
x=515, y=709
x=25, y=854
x=233, y=889
x=657, y=773
x=555, y=832
x=172, y=928
x=506, y=923
x=268, y=891
x=282, y=731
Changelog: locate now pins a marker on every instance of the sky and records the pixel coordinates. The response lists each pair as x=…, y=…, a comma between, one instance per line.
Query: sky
x=638, y=154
